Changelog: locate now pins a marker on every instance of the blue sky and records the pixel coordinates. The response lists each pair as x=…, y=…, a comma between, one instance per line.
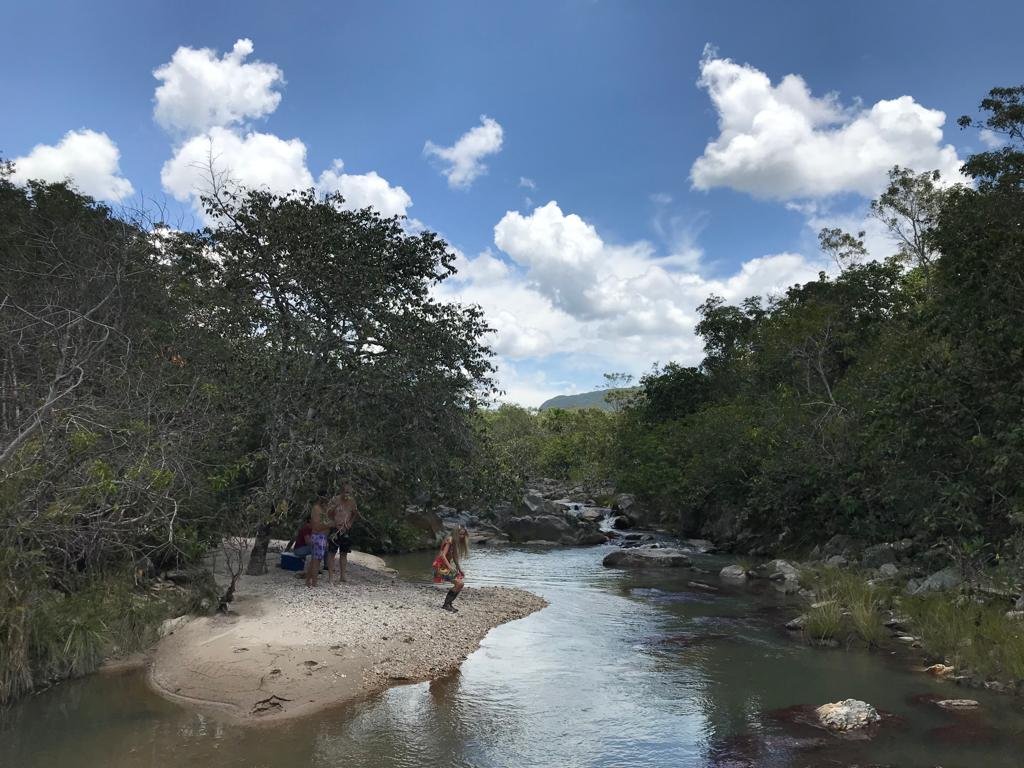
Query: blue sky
x=601, y=167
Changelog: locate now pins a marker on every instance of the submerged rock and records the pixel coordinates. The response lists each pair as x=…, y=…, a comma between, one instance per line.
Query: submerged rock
x=847, y=715
x=797, y=624
x=700, y=546
x=957, y=705
x=646, y=558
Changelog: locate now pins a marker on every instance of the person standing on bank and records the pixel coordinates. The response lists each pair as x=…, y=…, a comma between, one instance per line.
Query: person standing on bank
x=448, y=565
x=342, y=513
x=317, y=541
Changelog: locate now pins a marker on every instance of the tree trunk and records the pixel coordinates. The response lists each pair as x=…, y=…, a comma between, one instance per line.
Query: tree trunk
x=258, y=556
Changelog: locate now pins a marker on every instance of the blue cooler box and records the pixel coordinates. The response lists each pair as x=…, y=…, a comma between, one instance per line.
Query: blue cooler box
x=292, y=563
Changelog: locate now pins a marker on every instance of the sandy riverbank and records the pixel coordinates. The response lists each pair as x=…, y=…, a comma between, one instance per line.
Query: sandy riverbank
x=286, y=650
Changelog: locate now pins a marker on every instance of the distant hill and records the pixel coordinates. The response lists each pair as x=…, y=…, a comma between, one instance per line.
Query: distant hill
x=594, y=399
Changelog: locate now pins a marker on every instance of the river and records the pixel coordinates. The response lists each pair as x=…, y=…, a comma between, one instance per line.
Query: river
x=622, y=669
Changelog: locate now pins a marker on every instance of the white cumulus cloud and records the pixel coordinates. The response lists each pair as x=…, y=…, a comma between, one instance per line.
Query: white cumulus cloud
x=254, y=160
x=464, y=159
x=365, y=190
x=558, y=290
x=206, y=100
x=782, y=142
x=89, y=159
x=199, y=91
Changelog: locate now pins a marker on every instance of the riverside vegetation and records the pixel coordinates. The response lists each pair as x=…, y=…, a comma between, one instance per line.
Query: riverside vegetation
x=885, y=403
x=161, y=390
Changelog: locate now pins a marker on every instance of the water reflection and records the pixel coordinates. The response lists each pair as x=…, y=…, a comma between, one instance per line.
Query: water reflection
x=622, y=669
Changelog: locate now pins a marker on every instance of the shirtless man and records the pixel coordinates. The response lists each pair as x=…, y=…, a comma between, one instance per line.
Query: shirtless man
x=342, y=512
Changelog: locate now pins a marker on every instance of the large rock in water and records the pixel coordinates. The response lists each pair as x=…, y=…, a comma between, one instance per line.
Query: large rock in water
x=847, y=715
x=539, y=528
x=733, y=573
x=646, y=558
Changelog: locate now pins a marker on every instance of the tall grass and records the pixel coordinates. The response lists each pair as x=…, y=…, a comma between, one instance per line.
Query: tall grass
x=969, y=634
x=47, y=635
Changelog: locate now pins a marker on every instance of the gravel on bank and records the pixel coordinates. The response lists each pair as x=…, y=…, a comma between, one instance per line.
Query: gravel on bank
x=287, y=650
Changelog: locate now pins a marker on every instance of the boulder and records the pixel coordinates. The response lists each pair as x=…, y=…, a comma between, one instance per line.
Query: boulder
x=939, y=670
x=533, y=501
x=502, y=511
x=624, y=502
x=646, y=558
x=590, y=538
x=797, y=624
x=593, y=514
x=446, y=512
x=836, y=561
x=888, y=570
x=627, y=504
x=622, y=522
x=427, y=523
x=733, y=573
x=878, y=555
x=840, y=544
x=170, y=625
x=782, y=569
x=539, y=527
x=947, y=578
x=847, y=715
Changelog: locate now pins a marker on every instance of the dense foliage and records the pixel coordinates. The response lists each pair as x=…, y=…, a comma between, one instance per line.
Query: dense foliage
x=885, y=402
x=160, y=390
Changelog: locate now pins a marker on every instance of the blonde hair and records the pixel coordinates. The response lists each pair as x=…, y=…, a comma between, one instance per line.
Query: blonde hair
x=460, y=544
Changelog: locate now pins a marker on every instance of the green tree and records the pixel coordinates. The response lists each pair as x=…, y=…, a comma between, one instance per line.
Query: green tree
x=355, y=369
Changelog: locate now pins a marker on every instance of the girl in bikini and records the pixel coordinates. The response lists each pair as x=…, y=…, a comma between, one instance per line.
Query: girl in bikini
x=448, y=565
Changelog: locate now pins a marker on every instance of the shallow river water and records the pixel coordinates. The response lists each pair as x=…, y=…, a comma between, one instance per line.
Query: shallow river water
x=622, y=669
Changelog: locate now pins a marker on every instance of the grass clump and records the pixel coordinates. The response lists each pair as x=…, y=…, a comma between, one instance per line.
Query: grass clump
x=846, y=607
x=823, y=621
